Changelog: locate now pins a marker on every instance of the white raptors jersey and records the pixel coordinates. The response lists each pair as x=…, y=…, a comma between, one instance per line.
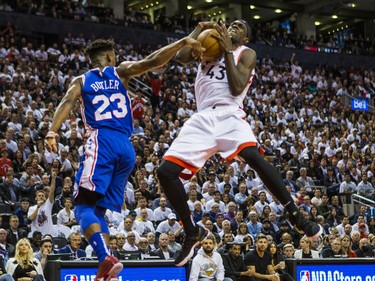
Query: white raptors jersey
x=211, y=84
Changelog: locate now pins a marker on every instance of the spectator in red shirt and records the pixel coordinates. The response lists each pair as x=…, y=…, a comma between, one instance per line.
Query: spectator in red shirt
x=5, y=162
x=155, y=82
x=138, y=106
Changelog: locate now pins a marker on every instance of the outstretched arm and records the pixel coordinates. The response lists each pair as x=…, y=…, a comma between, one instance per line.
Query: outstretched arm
x=65, y=107
x=185, y=54
x=51, y=196
x=126, y=70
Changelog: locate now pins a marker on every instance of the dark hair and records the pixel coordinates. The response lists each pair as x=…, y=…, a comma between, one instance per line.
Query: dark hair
x=99, y=46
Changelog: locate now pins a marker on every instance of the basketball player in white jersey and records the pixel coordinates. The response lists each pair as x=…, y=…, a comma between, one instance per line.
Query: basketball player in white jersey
x=219, y=126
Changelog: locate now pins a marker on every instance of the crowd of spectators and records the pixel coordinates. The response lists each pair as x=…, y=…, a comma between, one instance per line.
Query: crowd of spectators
x=272, y=33
x=323, y=150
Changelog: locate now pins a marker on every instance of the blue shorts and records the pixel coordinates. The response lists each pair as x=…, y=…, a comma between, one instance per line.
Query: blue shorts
x=105, y=167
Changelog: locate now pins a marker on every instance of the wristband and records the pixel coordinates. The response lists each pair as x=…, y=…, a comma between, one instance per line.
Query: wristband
x=229, y=52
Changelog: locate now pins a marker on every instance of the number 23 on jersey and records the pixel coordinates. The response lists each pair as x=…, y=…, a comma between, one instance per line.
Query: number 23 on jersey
x=118, y=99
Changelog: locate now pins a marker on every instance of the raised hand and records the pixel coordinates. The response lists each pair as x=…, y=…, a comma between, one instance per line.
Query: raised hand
x=197, y=49
x=50, y=141
x=224, y=39
x=206, y=24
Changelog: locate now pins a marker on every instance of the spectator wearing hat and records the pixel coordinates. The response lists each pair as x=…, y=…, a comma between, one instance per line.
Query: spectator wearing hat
x=169, y=224
x=360, y=221
x=211, y=180
x=216, y=199
x=291, y=234
x=5, y=162
x=132, y=215
x=222, y=246
x=205, y=217
x=362, y=230
x=266, y=229
x=218, y=222
x=150, y=166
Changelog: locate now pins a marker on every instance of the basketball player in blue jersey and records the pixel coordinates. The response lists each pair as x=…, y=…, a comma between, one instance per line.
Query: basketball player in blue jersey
x=109, y=156
x=219, y=126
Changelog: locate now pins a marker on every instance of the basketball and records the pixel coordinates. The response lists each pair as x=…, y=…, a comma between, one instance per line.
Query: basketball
x=212, y=46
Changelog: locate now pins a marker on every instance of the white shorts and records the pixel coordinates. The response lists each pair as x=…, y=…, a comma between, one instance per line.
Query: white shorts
x=221, y=129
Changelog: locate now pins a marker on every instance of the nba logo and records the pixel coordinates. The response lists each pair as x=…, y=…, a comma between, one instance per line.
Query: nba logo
x=304, y=275
x=71, y=277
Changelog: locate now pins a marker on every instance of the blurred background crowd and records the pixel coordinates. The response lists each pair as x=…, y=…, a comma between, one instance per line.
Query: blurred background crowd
x=323, y=149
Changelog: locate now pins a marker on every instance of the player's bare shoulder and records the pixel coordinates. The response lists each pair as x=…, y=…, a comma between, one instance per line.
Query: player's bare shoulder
x=77, y=81
x=248, y=58
x=249, y=55
x=75, y=87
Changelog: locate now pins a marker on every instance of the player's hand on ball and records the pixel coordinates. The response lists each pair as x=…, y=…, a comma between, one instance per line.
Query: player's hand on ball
x=206, y=25
x=196, y=46
x=50, y=141
x=224, y=38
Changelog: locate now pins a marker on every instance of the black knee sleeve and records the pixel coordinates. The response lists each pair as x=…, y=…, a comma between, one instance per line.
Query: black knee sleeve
x=87, y=197
x=168, y=171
